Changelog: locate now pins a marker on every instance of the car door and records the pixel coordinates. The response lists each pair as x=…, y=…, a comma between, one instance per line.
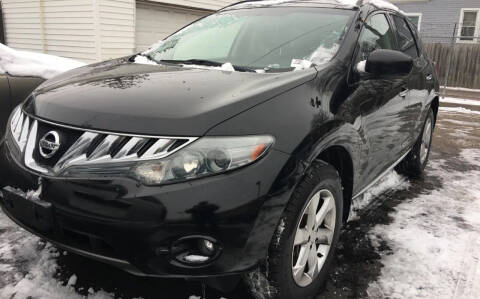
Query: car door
x=419, y=77
x=5, y=104
x=383, y=100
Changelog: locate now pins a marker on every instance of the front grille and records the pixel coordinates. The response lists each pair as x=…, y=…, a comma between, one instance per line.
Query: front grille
x=79, y=147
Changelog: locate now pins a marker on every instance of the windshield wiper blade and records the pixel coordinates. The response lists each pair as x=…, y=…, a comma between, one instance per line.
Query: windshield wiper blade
x=206, y=62
x=194, y=61
x=239, y=68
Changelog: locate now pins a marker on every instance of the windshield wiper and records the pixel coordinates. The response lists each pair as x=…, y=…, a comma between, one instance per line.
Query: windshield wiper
x=194, y=61
x=207, y=62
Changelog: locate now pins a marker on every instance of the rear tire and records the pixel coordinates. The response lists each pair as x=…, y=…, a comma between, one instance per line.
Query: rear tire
x=415, y=162
x=303, y=246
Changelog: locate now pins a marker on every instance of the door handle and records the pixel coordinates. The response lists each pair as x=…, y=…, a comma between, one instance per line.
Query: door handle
x=429, y=77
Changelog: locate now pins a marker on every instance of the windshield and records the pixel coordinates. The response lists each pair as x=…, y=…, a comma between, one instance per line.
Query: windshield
x=263, y=38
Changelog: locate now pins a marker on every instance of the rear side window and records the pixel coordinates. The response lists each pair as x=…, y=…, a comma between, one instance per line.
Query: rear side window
x=377, y=34
x=406, y=41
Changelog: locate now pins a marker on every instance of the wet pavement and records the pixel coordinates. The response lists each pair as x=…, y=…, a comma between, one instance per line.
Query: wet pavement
x=358, y=262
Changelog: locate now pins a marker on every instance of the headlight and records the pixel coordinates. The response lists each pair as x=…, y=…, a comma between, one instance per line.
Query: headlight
x=208, y=156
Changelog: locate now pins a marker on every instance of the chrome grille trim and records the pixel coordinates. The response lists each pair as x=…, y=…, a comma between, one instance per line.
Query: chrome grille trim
x=76, y=154
x=111, y=147
x=130, y=150
x=103, y=150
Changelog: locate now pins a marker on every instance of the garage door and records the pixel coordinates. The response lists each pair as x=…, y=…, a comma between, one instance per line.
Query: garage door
x=155, y=22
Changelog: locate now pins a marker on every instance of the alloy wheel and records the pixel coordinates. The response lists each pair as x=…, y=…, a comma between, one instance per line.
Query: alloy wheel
x=313, y=237
x=426, y=140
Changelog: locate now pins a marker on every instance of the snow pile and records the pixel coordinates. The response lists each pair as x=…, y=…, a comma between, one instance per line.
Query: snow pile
x=435, y=238
x=140, y=59
x=227, y=67
x=22, y=63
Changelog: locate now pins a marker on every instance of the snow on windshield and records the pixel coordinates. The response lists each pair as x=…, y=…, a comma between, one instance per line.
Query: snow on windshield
x=23, y=63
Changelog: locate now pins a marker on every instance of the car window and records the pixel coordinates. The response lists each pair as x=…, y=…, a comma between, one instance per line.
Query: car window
x=414, y=30
x=376, y=34
x=406, y=41
x=260, y=38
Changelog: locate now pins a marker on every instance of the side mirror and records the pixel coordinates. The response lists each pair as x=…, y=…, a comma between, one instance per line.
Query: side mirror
x=388, y=63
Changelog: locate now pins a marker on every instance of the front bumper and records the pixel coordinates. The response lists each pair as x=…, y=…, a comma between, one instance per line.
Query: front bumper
x=133, y=227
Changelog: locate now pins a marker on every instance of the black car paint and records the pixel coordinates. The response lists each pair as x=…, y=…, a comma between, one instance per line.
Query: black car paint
x=13, y=91
x=307, y=111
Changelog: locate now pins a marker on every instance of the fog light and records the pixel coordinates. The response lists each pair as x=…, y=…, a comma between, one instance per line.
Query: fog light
x=207, y=247
x=197, y=251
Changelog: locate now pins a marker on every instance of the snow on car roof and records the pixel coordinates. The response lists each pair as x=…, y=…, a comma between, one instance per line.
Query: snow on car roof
x=31, y=64
x=346, y=4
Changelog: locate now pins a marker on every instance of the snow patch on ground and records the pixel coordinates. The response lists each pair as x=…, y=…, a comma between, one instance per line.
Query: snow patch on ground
x=22, y=63
x=458, y=110
x=28, y=266
x=435, y=238
x=461, y=101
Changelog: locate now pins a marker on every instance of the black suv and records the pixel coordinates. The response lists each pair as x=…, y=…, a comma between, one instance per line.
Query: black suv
x=234, y=151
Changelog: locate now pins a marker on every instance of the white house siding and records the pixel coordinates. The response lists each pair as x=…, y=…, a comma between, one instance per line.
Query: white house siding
x=22, y=24
x=69, y=28
x=86, y=30
x=203, y=4
x=155, y=21
x=117, y=28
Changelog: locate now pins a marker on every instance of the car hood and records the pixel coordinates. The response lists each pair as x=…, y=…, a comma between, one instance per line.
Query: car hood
x=165, y=100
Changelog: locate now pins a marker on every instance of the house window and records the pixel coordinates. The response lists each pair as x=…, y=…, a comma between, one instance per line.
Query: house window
x=468, y=27
x=416, y=19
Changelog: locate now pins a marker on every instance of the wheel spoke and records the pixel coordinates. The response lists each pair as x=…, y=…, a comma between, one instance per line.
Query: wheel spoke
x=302, y=256
x=313, y=261
x=312, y=211
x=326, y=207
x=301, y=237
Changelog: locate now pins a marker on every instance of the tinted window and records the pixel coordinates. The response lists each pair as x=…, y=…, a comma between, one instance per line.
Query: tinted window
x=406, y=42
x=376, y=34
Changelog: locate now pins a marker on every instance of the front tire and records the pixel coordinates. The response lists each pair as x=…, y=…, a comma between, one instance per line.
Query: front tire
x=304, y=244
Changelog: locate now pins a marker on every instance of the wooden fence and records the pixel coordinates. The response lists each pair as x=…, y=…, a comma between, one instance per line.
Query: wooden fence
x=464, y=64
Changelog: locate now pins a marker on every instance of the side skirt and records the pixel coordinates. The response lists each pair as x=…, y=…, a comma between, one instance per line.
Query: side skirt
x=381, y=176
